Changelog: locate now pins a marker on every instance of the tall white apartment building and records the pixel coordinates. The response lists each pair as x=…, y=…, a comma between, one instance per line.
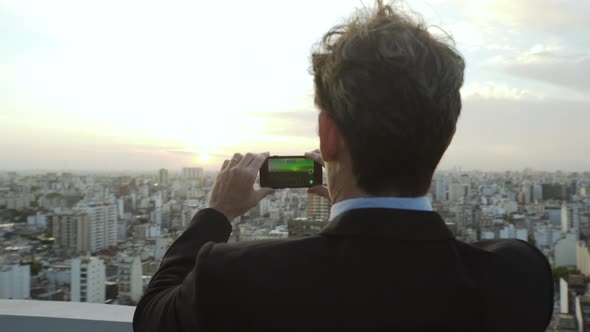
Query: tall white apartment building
x=103, y=225
x=318, y=208
x=130, y=278
x=570, y=218
x=440, y=190
x=15, y=282
x=88, y=280
x=264, y=207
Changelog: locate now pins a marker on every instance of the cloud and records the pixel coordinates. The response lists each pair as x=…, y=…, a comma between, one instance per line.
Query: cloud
x=500, y=134
x=543, y=15
x=493, y=90
x=548, y=64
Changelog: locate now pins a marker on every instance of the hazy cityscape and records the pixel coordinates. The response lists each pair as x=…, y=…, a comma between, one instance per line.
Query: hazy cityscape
x=99, y=238
x=116, y=115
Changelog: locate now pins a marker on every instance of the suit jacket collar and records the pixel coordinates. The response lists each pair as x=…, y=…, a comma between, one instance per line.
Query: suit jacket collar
x=390, y=223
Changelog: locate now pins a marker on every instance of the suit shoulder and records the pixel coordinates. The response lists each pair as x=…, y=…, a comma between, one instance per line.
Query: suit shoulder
x=517, y=281
x=261, y=249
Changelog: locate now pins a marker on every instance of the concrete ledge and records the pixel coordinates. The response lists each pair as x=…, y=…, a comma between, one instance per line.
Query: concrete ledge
x=18, y=315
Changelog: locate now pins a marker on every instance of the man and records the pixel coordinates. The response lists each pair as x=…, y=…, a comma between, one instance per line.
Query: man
x=388, y=92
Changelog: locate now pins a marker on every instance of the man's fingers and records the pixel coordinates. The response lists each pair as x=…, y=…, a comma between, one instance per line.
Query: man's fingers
x=258, y=161
x=315, y=156
x=246, y=160
x=235, y=160
x=225, y=163
x=320, y=191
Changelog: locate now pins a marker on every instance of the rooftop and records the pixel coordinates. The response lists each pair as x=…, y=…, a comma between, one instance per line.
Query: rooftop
x=23, y=315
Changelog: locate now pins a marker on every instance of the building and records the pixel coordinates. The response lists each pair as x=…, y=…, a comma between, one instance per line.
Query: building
x=464, y=215
x=565, y=251
x=583, y=257
x=468, y=235
x=38, y=219
x=188, y=211
x=488, y=235
x=163, y=177
x=15, y=282
x=527, y=193
x=264, y=207
x=546, y=235
x=554, y=214
x=537, y=192
x=554, y=191
x=103, y=225
x=130, y=279
x=192, y=172
x=88, y=280
x=570, y=218
x=458, y=191
x=583, y=313
x=162, y=245
x=511, y=232
x=303, y=227
x=318, y=208
x=71, y=230
x=440, y=190
x=509, y=207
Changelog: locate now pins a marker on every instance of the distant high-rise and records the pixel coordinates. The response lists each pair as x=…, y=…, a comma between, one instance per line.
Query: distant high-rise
x=570, y=218
x=71, y=230
x=440, y=193
x=458, y=191
x=192, y=172
x=88, y=280
x=318, y=208
x=103, y=225
x=264, y=207
x=130, y=279
x=464, y=215
x=554, y=191
x=15, y=282
x=163, y=177
x=564, y=251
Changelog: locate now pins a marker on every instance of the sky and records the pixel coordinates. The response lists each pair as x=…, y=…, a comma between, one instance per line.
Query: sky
x=141, y=85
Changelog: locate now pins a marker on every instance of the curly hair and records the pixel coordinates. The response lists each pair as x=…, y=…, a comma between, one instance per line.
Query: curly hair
x=392, y=89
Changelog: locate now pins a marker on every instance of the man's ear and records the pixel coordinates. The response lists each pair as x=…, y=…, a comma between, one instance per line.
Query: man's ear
x=330, y=140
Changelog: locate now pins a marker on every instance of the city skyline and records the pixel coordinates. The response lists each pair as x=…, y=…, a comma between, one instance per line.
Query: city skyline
x=136, y=86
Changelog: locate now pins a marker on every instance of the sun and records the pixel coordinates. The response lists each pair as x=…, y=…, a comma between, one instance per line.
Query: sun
x=202, y=158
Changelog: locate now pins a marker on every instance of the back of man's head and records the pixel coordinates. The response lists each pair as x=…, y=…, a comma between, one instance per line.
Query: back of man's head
x=392, y=89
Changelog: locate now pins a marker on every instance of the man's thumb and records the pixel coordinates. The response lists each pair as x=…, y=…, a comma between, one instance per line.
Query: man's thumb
x=263, y=192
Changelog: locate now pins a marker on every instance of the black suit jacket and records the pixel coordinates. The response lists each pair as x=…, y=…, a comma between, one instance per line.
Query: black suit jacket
x=369, y=269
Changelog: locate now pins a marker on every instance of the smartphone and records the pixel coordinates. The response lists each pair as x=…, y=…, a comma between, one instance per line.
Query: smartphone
x=290, y=172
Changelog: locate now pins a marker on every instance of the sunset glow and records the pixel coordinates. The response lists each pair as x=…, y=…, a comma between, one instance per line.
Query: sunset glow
x=137, y=85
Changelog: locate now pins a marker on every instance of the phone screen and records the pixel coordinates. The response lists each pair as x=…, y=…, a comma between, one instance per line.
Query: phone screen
x=290, y=172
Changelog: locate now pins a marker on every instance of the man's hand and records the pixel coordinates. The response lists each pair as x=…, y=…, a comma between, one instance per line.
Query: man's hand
x=320, y=190
x=233, y=193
